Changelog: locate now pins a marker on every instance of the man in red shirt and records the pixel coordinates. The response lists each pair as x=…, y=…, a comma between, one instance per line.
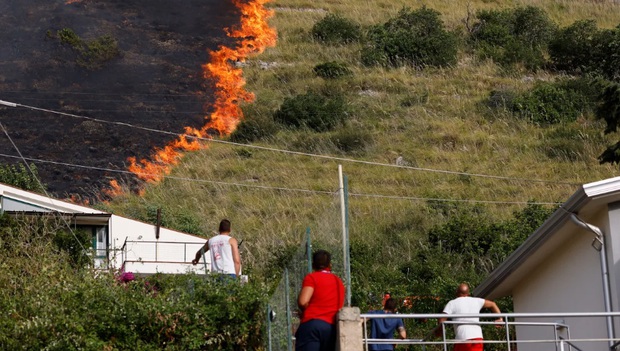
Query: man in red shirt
x=320, y=299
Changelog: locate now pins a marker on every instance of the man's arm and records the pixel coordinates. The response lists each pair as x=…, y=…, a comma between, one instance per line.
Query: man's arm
x=402, y=333
x=304, y=297
x=439, y=329
x=493, y=307
x=236, y=257
x=199, y=253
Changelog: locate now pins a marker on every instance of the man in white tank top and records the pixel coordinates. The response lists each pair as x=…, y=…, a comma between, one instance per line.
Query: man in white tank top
x=224, y=251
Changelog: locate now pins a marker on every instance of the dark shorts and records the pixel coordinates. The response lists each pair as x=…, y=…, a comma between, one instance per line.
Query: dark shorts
x=315, y=335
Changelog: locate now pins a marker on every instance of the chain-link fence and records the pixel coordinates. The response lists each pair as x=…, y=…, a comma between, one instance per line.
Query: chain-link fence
x=282, y=313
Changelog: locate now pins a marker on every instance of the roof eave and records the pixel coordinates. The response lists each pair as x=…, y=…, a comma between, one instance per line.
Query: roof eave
x=575, y=203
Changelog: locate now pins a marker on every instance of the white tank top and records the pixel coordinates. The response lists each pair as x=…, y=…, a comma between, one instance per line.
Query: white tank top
x=221, y=255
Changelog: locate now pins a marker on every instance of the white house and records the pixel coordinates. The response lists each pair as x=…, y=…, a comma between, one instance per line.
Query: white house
x=571, y=263
x=117, y=242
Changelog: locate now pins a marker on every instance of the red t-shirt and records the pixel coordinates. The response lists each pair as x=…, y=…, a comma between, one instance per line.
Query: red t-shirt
x=327, y=298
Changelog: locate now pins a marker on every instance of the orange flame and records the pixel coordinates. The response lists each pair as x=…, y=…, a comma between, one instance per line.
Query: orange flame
x=255, y=36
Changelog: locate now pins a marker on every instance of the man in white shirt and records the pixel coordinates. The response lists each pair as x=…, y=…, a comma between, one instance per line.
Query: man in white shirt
x=224, y=251
x=465, y=304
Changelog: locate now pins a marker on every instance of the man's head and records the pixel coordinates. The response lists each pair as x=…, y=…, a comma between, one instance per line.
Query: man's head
x=390, y=305
x=321, y=260
x=462, y=290
x=224, y=226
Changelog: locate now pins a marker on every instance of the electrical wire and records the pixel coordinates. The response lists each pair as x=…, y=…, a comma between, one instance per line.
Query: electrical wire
x=34, y=175
x=291, y=152
x=266, y=187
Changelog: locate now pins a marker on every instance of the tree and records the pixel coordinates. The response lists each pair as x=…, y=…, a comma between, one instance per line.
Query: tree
x=609, y=110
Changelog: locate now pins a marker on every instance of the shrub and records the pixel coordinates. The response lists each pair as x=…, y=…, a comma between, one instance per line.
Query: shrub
x=252, y=129
x=416, y=38
x=331, y=70
x=98, y=52
x=336, y=29
x=508, y=37
x=607, y=53
x=550, y=103
x=312, y=110
x=91, y=55
x=572, y=49
x=20, y=176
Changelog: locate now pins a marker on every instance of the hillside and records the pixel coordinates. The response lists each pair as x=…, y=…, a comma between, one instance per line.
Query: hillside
x=453, y=150
x=445, y=176
x=416, y=142
x=155, y=82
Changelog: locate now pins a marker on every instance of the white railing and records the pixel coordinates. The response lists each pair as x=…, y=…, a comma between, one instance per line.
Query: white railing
x=158, y=254
x=558, y=331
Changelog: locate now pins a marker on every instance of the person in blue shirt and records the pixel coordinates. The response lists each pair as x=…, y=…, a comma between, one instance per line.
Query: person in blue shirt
x=384, y=328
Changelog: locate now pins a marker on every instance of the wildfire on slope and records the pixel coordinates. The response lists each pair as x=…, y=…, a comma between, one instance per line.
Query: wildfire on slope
x=255, y=35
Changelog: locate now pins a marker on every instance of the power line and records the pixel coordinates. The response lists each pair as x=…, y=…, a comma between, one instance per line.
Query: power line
x=265, y=187
x=299, y=153
x=43, y=188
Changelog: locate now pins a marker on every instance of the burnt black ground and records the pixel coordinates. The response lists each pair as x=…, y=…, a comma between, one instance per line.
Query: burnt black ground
x=156, y=82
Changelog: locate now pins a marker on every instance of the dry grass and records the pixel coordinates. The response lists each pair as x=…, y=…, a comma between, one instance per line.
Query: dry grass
x=458, y=151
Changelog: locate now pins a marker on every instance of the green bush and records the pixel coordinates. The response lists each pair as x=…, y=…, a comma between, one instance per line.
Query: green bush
x=91, y=55
x=312, y=110
x=607, y=53
x=253, y=129
x=98, y=52
x=68, y=36
x=22, y=177
x=572, y=49
x=517, y=36
x=332, y=70
x=550, y=103
x=49, y=304
x=336, y=29
x=415, y=38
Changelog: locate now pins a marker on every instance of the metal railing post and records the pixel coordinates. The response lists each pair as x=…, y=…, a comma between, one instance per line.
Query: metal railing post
x=289, y=328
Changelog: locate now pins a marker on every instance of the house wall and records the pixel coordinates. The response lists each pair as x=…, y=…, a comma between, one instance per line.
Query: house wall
x=171, y=253
x=568, y=280
x=612, y=238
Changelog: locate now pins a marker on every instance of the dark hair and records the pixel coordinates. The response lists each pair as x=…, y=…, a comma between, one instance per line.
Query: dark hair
x=390, y=304
x=321, y=260
x=224, y=226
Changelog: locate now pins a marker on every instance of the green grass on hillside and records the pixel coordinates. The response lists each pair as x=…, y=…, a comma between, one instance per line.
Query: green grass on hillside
x=457, y=150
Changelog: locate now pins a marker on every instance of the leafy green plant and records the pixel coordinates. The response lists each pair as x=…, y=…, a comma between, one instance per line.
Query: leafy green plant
x=549, y=103
x=572, y=49
x=94, y=54
x=415, y=38
x=332, y=70
x=336, y=29
x=20, y=176
x=252, y=129
x=607, y=53
x=312, y=110
x=513, y=36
